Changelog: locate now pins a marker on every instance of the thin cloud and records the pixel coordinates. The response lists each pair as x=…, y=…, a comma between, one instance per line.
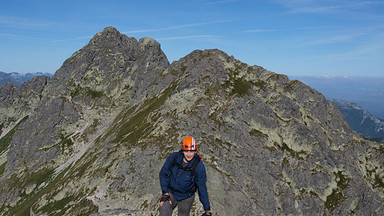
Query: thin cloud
x=344, y=56
x=18, y=22
x=22, y=37
x=24, y=22
x=186, y=37
x=324, y=6
x=331, y=40
x=259, y=30
x=320, y=27
x=72, y=39
x=364, y=52
x=347, y=34
x=325, y=9
x=219, y=2
x=294, y=29
x=141, y=31
x=176, y=27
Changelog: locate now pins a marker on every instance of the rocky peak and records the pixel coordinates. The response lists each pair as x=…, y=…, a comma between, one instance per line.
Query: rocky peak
x=8, y=90
x=111, y=38
x=37, y=84
x=151, y=49
x=111, y=71
x=17, y=103
x=24, y=96
x=105, y=45
x=107, y=32
x=113, y=63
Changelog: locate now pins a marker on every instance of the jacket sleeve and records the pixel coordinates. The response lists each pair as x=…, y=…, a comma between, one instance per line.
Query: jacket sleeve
x=201, y=183
x=165, y=174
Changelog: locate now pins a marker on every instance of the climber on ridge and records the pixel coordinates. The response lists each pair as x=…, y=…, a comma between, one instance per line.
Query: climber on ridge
x=182, y=174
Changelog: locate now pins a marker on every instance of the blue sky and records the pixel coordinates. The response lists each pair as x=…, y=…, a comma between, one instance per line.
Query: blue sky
x=292, y=37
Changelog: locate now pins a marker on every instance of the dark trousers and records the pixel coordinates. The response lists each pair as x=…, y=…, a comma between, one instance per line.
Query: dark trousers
x=183, y=206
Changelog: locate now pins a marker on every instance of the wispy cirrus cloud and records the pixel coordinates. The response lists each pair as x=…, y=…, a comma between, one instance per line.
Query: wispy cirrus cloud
x=331, y=40
x=310, y=28
x=325, y=6
x=25, y=22
x=327, y=27
x=71, y=39
x=372, y=49
x=176, y=27
x=355, y=34
x=360, y=53
x=219, y=2
x=259, y=30
x=186, y=37
x=28, y=38
x=21, y=37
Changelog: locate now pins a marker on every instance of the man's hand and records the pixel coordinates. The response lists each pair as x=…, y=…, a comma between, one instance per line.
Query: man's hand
x=166, y=197
x=207, y=213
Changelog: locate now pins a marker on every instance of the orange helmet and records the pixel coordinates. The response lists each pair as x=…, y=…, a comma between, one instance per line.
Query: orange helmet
x=189, y=144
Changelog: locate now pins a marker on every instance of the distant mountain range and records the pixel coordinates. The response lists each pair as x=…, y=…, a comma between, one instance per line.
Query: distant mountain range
x=17, y=78
x=359, y=119
x=366, y=92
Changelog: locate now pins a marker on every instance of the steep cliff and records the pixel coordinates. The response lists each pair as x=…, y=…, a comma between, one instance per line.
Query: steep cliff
x=109, y=117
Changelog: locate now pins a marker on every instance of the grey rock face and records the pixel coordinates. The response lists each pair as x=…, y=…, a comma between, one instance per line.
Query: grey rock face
x=115, y=110
x=18, y=102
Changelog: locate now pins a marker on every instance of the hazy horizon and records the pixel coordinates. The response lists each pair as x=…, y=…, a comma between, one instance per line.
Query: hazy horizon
x=366, y=92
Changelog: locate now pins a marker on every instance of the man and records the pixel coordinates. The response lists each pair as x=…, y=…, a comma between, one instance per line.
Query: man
x=182, y=174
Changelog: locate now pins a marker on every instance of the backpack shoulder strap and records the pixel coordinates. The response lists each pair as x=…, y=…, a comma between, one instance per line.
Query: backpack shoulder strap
x=174, y=163
x=195, y=163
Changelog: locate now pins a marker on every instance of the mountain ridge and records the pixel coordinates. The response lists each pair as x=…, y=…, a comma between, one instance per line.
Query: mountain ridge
x=108, y=118
x=17, y=78
x=355, y=126
x=360, y=120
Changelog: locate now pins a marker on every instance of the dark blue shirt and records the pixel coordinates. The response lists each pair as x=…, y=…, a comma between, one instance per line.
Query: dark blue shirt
x=180, y=183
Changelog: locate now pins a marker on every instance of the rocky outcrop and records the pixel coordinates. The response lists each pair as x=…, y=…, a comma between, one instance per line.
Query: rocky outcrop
x=18, y=102
x=116, y=109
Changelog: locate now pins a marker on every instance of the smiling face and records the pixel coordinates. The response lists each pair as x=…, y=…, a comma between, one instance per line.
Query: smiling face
x=188, y=155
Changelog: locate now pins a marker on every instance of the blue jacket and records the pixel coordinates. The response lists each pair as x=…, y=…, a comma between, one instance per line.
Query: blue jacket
x=176, y=180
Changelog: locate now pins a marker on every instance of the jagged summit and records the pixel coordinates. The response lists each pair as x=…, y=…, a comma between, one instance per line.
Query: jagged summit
x=110, y=56
x=109, y=30
x=110, y=37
